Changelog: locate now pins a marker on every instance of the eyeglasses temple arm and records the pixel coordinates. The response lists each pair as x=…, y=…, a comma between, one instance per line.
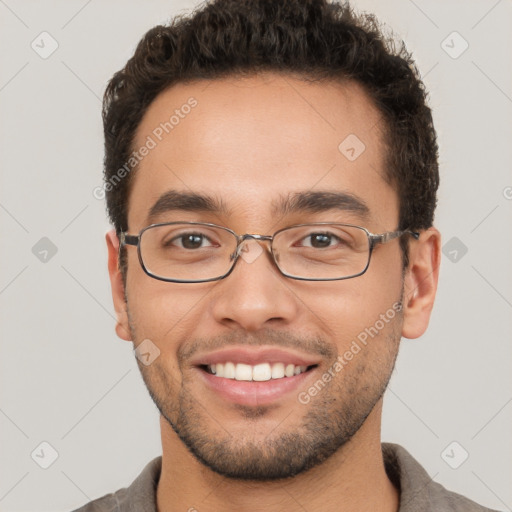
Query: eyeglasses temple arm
x=125, y=239
x=391, y=235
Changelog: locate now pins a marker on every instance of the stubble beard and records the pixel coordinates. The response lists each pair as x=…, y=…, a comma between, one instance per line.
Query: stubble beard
x=329, y=420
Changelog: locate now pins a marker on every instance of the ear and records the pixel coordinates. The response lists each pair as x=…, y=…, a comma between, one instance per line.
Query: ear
x=116, y=282
x=420, y=283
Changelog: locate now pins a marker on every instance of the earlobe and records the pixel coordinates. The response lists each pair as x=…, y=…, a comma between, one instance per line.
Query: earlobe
x=116, y=282
x=420, y=283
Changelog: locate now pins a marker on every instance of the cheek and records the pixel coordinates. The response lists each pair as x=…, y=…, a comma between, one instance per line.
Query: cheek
x=162, y=311
x=341, y=311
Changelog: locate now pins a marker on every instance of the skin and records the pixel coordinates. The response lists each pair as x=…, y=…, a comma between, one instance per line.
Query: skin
x=249, y=142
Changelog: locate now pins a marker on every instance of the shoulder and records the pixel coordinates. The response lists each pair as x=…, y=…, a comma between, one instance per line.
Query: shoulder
x=107, y=503
x=418, y=491
x=140, y=496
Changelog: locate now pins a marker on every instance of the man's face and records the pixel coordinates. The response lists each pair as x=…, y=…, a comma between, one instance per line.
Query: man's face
x=251, y=144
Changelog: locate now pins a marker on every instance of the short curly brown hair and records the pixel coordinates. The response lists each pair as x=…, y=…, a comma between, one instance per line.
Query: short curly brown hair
x=313, y=39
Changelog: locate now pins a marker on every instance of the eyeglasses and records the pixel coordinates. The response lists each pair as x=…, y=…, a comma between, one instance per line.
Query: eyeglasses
x=197, y=252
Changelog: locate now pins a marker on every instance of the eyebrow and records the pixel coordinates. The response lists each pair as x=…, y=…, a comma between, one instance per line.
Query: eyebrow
x=311, y=202
x=172, y=200
x=321, y=201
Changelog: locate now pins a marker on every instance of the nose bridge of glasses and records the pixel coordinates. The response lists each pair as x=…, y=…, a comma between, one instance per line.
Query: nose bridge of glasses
x=243, y=241
x=249, y=236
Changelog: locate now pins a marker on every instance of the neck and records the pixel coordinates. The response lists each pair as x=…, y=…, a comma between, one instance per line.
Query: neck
x=354, y=478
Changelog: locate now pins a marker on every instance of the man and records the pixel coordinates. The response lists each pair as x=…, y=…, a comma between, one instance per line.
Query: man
x=271, y=175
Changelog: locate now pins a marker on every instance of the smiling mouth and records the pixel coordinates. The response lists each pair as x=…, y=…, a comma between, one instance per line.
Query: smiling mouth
x=256, y=373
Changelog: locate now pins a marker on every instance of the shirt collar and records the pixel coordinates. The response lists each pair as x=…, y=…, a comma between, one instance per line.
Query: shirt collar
x=418, y=491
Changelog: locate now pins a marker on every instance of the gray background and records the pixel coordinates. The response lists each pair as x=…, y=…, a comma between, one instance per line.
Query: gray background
x=67, y=380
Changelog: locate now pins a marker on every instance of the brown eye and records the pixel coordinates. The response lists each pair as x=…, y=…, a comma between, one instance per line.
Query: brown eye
x=191, y=241
x=188, y=241
x=320, y=240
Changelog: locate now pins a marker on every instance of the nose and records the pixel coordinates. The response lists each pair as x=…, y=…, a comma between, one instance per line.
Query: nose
x=255, y=294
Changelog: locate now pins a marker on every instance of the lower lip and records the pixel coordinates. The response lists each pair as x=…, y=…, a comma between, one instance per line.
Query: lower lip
x=254, y=393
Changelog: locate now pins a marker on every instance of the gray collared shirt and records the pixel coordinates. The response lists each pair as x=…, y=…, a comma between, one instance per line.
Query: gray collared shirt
x=418, y=492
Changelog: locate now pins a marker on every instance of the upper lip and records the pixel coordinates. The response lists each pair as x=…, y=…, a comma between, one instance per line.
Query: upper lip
x=253, y=356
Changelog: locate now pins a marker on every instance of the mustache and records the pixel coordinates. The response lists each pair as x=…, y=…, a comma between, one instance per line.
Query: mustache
x=267, y=337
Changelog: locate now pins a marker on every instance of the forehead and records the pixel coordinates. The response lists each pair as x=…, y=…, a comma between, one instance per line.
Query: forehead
x=252, y=143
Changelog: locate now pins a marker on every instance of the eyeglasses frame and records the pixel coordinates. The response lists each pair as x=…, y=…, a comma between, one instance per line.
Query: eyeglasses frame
x=373, y=240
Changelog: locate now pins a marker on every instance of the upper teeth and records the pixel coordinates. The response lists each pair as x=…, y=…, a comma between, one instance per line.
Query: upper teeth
x=258, y=372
